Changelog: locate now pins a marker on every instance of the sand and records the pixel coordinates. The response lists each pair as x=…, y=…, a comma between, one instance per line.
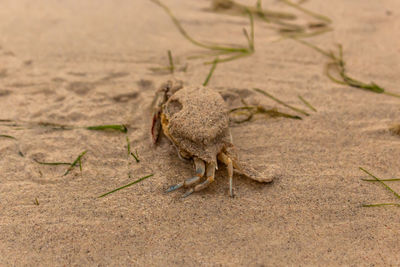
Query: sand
x=86, y=63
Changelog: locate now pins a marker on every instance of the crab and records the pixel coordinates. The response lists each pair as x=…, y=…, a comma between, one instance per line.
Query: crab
x=196, y=120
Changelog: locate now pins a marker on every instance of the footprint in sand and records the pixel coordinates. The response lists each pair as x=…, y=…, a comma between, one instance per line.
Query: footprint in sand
x=80, y=88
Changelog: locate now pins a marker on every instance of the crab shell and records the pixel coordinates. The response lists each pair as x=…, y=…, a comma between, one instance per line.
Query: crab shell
x=196, y=120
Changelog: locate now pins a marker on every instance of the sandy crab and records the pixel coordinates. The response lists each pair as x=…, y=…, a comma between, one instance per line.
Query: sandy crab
x=196, y=120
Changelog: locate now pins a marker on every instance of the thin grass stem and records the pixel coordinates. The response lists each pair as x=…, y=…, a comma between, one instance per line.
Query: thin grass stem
x=281, y=102
x=125, y=186
x=112, y=127
x=381, y=204
x=301, y=34
x=230, y=5
x=80, y=165
x=379, y=180
x=189, y=38
x=8, y=136
x=171, y=62
x=308, y=12
x=78, y=159
x=337, y=63
x=251, y=39
x=135, y=156
x=223, y=60
x=214, y=65
x=391, y=94
x=316, y=48
x=52, y=163
x=307, y=103
x=128, y=145
x=250, y=111
x=385, y=180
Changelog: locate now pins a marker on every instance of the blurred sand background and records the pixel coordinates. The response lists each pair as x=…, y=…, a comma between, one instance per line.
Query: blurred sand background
x=88, y=62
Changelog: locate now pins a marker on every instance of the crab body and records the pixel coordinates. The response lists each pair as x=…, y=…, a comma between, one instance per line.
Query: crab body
x=196, y=120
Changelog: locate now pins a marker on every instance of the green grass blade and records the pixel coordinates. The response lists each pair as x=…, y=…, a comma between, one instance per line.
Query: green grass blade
x=316, y=48
x=112, y=127
x=243, y=108
x=379, y=180
x=52, y=163
x=250, y=38
x=308, y=12
x=250, y=111
x=391, y=94
x=240, y=9
x=328, y=67
x=281, y=102
x=136, y=157
x=54, y=126
x=227, y=59
x=384, y=180
x=338, y=65
x=78, y=159
x=301, y=34
x=125, y=186
x=171, y=62
x=259, y=5
x=189, y=38
x=8, y=136
x=307, y=103
x=275, y=113
x=128, y=144
x=214, y=65
x=381, y=204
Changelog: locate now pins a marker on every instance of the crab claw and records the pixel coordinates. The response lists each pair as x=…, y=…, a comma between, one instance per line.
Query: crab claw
x=155, y=127
x=160, y=98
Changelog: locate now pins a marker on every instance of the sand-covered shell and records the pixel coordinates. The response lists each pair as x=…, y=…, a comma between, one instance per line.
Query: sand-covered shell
x=197, y=122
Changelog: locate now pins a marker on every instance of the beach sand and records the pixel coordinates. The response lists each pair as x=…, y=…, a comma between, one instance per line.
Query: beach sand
x=88, y=63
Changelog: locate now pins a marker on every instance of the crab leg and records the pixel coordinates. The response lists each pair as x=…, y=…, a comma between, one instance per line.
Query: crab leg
x=210, y=178
x=200, y=170
x=229, y=164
